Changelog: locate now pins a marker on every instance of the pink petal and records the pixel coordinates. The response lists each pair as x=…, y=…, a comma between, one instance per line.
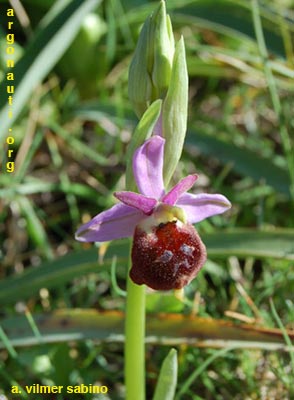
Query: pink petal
x=147, y=167
x=143, y=203
x=201, y=206
x=116, y=223
x=185, y=184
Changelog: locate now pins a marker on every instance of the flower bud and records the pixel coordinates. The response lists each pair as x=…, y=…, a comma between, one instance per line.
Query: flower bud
x=150, y=69
x=167, y=252
x=159, y=71
x=164, y=48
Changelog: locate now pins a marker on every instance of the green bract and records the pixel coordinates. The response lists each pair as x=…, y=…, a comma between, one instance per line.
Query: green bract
x=174, y=112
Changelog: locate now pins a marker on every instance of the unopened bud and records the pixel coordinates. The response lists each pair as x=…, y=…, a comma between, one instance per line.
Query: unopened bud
x=150, y=70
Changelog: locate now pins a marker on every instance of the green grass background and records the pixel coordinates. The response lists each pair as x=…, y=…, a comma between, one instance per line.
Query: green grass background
x=72, y=122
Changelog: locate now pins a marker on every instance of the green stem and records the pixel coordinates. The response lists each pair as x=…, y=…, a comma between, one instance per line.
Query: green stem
x=135, y=342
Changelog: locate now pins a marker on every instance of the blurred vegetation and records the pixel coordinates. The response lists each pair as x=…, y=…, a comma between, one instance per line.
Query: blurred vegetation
x=72, y=123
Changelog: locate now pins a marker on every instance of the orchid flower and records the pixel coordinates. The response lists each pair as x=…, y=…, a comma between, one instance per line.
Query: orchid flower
x=167, y=251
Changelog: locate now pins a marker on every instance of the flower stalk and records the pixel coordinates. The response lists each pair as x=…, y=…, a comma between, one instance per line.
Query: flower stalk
x=135, y=341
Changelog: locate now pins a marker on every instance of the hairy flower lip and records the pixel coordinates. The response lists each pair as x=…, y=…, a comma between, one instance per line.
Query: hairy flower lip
x=168, y=256
x=120, y=220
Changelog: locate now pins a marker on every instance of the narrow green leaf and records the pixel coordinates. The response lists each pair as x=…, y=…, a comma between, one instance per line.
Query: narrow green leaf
x=278, y=243
x=167, y=381
x=169, y=329
x=26, y=163
x=57, y=272
x=6, y=343
x=198, y=371
x=78, y=146
x=233, y=18
x=33, y=185
x=12, y=382
x=243, y=161
x=35, y=227
x=284, y=331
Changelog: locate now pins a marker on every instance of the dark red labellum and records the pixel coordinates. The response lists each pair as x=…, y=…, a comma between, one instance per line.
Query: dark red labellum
x=168, y=257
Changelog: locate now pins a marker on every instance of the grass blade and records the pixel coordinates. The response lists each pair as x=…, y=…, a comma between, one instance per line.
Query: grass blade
x=278, y=243
x=243, y=161
x=167, y=381
x=200, y=369
x=170, y=329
